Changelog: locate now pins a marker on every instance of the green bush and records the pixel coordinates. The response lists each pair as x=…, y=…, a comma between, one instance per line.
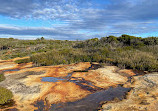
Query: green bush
x=5, y=95
x=135, y=60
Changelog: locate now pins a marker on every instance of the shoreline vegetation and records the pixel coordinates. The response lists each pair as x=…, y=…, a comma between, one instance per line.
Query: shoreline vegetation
x=125, y=51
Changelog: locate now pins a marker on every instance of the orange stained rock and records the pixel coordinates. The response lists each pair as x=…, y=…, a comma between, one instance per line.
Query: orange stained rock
x=83, y=65
x=103, y=77
x=61, y=91
x=50, y=92
x=11, y=65
x=142, y=97
x=57, y=72
x=7, y=65
x=64, y=92
x=12, y=60
x=80, y=74
x=53, y=92
x=127, y=71
x=63, y=70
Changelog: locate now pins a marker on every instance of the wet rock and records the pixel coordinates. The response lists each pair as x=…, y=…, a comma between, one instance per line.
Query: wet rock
x=27, y=86
x=83, y=86
x=92, y=101
x=103, y=77
x=143, y=96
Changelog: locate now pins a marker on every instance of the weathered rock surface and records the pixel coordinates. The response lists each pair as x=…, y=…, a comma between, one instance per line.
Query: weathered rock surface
x=143, y=96
x=28, y=88
x=103, y=77
x=79, y=83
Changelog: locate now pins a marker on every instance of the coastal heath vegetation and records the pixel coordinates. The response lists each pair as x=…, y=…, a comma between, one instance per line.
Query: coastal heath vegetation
x=125, y=51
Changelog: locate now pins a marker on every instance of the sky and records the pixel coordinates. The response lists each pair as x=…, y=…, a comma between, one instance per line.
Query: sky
x=77, y=19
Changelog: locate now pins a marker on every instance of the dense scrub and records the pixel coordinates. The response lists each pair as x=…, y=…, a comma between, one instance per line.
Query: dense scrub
x=11, y=48
x=135, y=59
x=124, y=51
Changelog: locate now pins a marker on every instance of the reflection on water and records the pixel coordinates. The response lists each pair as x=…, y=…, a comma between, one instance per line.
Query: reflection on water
x=51, y=79
x=87, y=85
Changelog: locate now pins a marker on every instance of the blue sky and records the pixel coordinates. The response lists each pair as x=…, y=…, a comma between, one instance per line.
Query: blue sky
x=77, y=19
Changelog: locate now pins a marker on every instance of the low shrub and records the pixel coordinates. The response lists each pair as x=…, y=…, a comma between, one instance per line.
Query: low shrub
x=135, y=59
x=5, y=95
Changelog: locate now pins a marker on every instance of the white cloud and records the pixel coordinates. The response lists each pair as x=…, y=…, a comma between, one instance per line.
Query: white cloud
x=121, y=16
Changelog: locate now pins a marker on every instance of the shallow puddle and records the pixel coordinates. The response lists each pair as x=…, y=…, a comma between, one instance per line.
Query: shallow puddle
x=87, y=85
x=51, y=79
x=89, y=103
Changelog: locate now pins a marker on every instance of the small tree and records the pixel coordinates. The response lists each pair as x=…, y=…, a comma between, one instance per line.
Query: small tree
x=42, y=38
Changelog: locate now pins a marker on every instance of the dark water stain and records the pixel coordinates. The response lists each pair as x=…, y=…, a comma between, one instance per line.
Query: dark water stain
x=41, y=106
x=51, y=79
x=89, y=103
x=137, y=73
x=87, y=85
x=11, y=70
x=92, y=67
x=68, y=76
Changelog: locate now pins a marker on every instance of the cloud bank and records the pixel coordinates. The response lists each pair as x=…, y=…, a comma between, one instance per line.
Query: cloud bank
x=82, y=18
